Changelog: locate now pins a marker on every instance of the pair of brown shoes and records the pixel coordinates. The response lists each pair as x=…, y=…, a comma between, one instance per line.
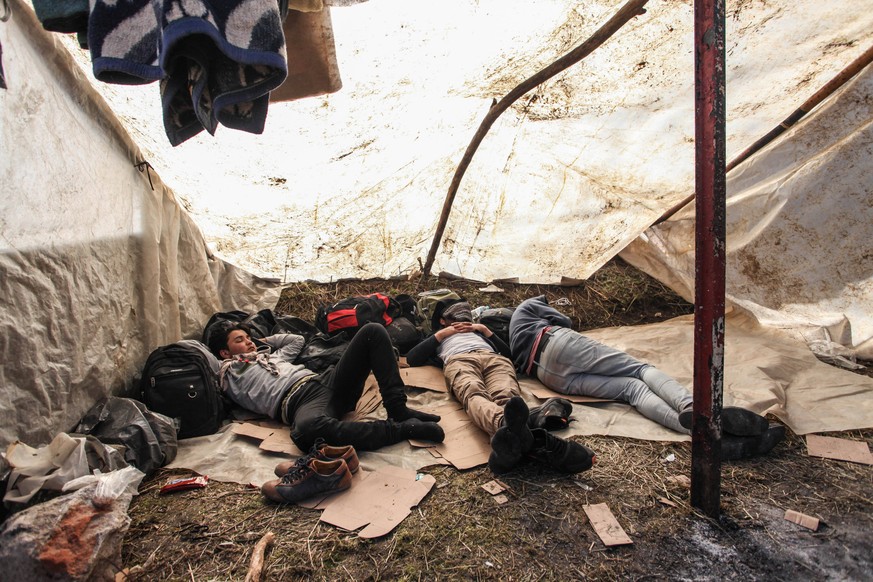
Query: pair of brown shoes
x=325, y=469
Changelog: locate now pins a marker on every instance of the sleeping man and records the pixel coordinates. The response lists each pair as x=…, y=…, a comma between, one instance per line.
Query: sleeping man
x=544, y=346
x=266, y=381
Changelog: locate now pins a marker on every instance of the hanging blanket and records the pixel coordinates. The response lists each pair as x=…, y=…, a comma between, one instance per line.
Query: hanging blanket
x=217, y=63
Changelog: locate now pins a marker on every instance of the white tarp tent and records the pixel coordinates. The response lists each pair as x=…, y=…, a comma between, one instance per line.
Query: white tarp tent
x=799, y=216
x=98, y=267
x=351, y=184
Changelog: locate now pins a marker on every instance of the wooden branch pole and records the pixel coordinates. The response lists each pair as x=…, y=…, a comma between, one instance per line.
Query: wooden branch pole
x=828, y=89
x=625, y=13
x=256, y=569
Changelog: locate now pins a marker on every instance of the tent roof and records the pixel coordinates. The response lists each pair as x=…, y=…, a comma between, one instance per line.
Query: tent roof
x=351, y=184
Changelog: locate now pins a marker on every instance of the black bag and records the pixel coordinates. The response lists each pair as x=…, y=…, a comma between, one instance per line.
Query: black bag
x=349, y=314
x=404, y=335
x=322, y=351
x=179, y=381
x=148, y=437
x=497, y=320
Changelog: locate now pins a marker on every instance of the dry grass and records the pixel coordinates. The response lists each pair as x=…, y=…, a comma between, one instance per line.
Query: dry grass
x=459, y=532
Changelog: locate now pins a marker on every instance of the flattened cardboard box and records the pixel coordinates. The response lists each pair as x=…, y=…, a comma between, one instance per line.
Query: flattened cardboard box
x=274, y=436
x=465, y=446
x=378, y=501
x=837, y=448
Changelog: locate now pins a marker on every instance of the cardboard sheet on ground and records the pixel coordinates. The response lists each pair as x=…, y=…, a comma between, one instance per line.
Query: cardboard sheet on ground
x=272, y=436
x=427, y=377
x=536, y=388
x=377, y=501
x=840, y=449
x=465, y=446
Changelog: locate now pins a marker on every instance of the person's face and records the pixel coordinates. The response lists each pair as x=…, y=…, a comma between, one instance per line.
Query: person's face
x=238, y=342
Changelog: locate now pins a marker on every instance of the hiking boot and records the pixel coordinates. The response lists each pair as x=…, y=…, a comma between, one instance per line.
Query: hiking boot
x=305, y=481
x=513, y=440
x=735, y=421
x=323, y=452
x=553, y=414
x=561, y=454
x=743, y=447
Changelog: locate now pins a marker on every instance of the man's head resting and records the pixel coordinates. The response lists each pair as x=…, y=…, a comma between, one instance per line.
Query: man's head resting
x=229, y=338
x=457, y=312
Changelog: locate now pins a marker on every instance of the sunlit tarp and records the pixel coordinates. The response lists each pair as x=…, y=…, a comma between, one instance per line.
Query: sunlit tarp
x=799, y=217
x=352, y=184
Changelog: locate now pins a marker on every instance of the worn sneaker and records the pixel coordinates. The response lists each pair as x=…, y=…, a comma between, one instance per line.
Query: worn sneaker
x=734, y=421
x=561, y=454
x=323, y=452
x=553, y=414
x=305, y=481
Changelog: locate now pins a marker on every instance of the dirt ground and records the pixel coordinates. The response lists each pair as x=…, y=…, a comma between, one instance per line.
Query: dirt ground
x=541, y=532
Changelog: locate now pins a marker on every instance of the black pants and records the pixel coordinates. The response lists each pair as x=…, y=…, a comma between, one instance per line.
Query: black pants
x=315, y=409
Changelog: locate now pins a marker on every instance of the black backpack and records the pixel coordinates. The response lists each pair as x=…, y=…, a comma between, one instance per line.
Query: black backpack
x=349, y=314
x=180, y=381
x=497, y=320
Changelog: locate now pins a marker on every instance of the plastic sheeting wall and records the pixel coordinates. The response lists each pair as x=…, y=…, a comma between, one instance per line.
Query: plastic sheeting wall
x=352, y=184
x=96, y=267
x=799, y=219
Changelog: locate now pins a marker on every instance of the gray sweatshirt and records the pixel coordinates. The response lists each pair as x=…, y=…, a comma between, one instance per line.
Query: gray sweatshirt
x=257, y=381
x=527, y=320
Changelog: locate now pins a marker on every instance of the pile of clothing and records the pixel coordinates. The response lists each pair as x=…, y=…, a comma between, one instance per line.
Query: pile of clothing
x=216, y=63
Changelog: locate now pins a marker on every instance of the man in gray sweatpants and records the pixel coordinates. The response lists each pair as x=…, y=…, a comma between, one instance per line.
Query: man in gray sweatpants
x=543, y=345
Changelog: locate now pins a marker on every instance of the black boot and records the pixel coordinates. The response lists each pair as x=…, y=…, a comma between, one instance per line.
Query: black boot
x=561, y=454
x=513, y=440
x=553, y=414
x=735, y=421
x=743, y=447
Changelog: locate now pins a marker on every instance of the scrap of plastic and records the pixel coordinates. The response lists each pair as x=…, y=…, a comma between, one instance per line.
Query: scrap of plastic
x=110, y=486
x=198, y=482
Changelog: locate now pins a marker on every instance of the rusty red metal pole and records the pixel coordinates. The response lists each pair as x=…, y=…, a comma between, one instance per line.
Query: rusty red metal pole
x=709, y=117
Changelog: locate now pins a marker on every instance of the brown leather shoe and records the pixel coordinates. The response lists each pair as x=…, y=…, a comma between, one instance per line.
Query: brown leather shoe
x=305, y=481
x=323, y=452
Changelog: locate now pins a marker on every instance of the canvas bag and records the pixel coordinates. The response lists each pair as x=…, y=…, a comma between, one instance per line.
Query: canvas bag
x=497, y=320
x=430, y=307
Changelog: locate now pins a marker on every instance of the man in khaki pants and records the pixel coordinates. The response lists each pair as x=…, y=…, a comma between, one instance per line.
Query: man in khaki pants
x=480, y=374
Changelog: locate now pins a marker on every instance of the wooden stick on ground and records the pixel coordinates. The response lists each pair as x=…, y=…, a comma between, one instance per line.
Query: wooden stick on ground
x=625, y=13
x=257, y=566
